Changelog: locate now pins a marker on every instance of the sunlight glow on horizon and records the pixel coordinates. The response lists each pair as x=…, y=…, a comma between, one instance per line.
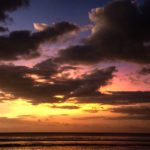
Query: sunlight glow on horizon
x=20, y=108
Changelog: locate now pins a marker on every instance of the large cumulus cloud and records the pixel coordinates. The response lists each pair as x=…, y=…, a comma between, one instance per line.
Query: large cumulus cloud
x=16, y=81
x=24, y=44
x=121, y=32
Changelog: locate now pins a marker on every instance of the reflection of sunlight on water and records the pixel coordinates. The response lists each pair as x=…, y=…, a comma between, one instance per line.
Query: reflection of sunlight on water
x=65, y=141
x=79, y=148
x=64, y=145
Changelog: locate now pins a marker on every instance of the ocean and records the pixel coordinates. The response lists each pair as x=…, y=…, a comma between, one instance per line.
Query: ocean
x=74, y=141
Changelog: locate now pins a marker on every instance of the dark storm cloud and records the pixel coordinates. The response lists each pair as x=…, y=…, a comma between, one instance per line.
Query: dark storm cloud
x=93, y=81
x=126, y=113
x=79, y=54
x=24, y=44
x=118, y=98
x=128, y=117
x=121, y=32
x=3, y=29
x=68, y=67
x=133, y=112
x=14, y=80
x=144, y=71
x=46, y=68
x=9, y=6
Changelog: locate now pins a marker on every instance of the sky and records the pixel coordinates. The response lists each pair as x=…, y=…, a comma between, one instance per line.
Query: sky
x=75, y=66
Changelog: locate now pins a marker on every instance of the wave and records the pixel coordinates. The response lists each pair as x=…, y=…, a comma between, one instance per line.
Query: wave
x=71, y=133
x=41, y=139
x=72, y=139
x=70, y=144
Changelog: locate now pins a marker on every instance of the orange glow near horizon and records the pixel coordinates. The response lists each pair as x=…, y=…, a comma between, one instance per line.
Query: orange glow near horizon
x=59, y=96
x=20, y=107
x=123, y=85
x=70, y=114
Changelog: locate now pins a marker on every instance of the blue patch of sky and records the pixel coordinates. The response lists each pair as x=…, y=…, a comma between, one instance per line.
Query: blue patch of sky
x=49, y=11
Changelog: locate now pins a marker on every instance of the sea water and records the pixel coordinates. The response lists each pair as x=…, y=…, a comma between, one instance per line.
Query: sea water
x=74, y=141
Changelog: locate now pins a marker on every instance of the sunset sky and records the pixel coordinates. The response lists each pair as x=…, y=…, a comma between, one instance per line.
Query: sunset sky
x=75, y=66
